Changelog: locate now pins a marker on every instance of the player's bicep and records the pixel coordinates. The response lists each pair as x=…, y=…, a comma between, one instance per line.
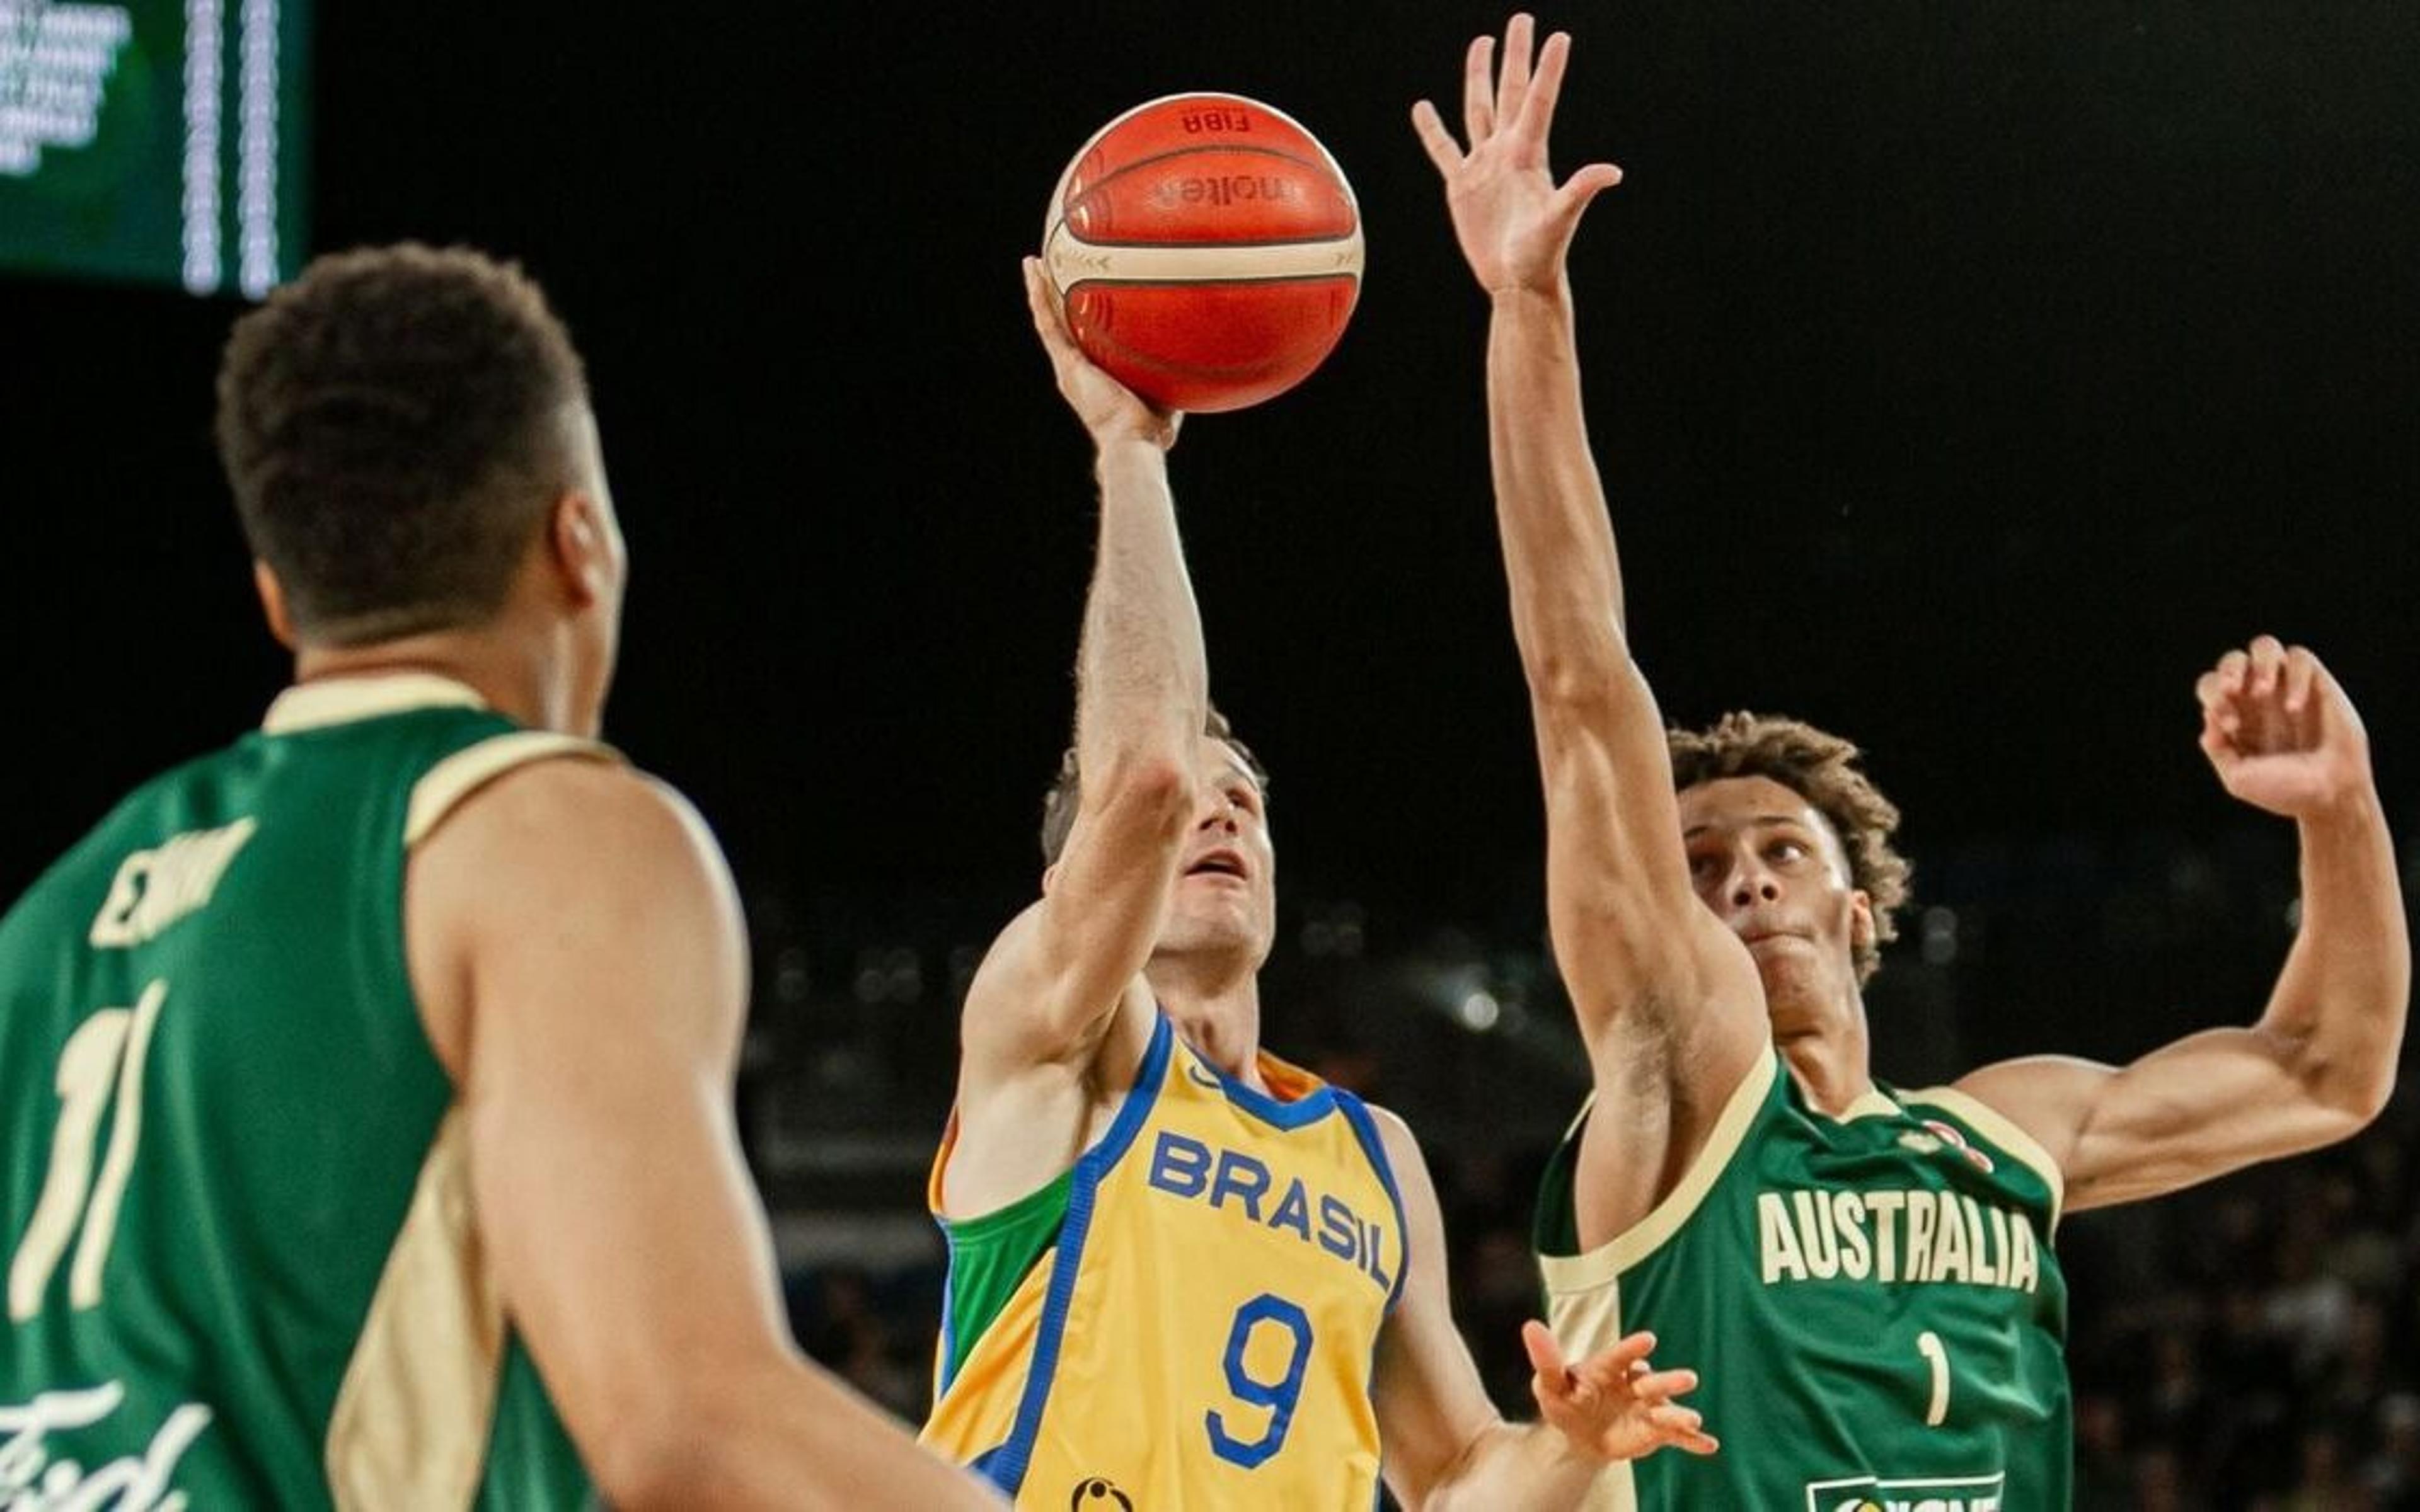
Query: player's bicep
x=604, y=979
x=2206, y=1105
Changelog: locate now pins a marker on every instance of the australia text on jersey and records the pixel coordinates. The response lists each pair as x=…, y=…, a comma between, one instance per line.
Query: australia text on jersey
x=1231, y=1181
x=1895, y=1235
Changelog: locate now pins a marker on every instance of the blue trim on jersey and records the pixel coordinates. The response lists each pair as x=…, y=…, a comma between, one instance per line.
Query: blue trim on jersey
x=982, y=1464
x=1365, y=1129
x=1006, y=1466
x=949, y=1370
x=1299, y=1114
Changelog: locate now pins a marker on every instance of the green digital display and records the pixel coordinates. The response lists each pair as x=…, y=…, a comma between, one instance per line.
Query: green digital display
x=155, y=141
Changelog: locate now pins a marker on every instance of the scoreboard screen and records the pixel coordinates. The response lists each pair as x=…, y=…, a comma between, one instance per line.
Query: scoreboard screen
x=155, y=141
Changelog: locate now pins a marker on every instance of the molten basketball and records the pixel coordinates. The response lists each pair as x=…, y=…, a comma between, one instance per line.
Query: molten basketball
x=1206, y=250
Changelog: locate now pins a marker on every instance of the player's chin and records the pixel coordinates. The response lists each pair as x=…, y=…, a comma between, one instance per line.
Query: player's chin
x=1798, y=991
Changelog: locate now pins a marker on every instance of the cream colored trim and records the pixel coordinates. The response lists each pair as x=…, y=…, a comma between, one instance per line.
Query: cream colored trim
x=2002, y=1131
x=417, y=1407
x=1874, y=1105
x=1584, y=1323
x=1580, y=1272
x=343, y=699
x=455, y=778
x=1073, y=260
x=1616, y=1489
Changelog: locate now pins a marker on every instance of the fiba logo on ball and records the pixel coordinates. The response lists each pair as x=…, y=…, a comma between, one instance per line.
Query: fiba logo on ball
x=1207, y=251
x=1097, y=1495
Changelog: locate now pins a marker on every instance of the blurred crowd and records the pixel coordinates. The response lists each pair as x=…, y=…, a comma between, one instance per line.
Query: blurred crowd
x=2252, y=1345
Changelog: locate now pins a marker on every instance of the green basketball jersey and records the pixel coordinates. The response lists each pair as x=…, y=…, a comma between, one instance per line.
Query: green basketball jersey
x=1871, y=1301
x=243, y=1270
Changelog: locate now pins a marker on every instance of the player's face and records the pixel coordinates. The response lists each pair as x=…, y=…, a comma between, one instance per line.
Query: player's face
x=1773, y=871
x=1226, y=886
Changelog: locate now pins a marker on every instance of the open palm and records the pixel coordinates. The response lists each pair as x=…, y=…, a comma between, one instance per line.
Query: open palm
x=1514, y=224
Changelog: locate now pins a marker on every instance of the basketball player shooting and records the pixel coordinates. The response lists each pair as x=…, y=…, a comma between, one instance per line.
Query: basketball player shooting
x=1871, y=1267
x=1183, y=1272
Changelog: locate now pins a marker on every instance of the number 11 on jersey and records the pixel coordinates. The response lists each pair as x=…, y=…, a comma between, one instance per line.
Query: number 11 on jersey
x=107, y=1050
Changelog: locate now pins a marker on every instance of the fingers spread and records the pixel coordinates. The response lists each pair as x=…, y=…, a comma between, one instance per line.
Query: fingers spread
x=1659, y=1384
x=1513, y=85
x=1477, y=91
x=1438, y=142
x=1544, y=88
x=1545, y=1356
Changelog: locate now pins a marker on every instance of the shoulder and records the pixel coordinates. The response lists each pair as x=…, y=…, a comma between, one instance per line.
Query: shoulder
x=1407, y=1163
x=525, y=808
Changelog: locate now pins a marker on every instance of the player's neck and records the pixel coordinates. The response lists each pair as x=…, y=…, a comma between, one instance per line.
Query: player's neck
x=1833, y=1059
x=515, y=681
x=1217, y=1010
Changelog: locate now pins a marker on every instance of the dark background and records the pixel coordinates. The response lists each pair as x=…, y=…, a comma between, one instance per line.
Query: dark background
x=1966, y=379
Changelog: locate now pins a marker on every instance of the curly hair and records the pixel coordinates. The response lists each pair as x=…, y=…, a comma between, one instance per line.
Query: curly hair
x=392, y=427
x=1822, y=768
x=1066, y=789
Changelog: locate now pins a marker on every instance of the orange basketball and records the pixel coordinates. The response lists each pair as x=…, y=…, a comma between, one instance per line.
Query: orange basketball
x=1206, y=250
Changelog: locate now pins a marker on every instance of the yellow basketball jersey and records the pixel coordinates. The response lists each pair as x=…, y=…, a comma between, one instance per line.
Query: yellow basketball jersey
x=1200, y=1331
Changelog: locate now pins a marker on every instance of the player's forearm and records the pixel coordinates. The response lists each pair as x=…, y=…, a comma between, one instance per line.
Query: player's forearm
x=1141, y=676
x=2346, y=985
x=1526, y=1465
x=1558, y=547
x=790, y=1437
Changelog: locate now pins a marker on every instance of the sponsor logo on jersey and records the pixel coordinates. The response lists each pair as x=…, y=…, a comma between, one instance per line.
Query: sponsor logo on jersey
x=1094, y=1494
x=1244, y=1186
x=1957, y=1141
x=1908, y=1236
x=1929, y=1493
x=29, y=1477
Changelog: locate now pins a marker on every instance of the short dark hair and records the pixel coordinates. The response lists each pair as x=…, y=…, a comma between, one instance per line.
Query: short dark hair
x=1821, y=768
x=392, y=427
x=1067, y=790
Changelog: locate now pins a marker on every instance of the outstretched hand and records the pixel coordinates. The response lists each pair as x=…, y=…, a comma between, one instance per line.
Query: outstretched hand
x=1614, y=1405
x=1109, y=410
x=1514, y=223
x=2280, y=733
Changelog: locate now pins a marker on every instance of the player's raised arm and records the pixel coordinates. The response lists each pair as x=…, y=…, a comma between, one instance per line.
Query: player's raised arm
x=1051, y=983
x=576, y=946
x=1447, y=1448
x=2319, y=1063
x=1634, y=944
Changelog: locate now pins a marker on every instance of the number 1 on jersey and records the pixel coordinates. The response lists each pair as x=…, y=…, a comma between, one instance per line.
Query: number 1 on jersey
x=107, y=1048
x=1929, y=1344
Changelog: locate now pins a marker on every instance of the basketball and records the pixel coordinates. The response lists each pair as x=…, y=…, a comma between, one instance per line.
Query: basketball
x=1207, y=251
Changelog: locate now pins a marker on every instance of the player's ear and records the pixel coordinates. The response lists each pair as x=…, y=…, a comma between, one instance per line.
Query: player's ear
x=1861, y=919
x=273, y=604
x=580, y=547
x=1049, y=876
